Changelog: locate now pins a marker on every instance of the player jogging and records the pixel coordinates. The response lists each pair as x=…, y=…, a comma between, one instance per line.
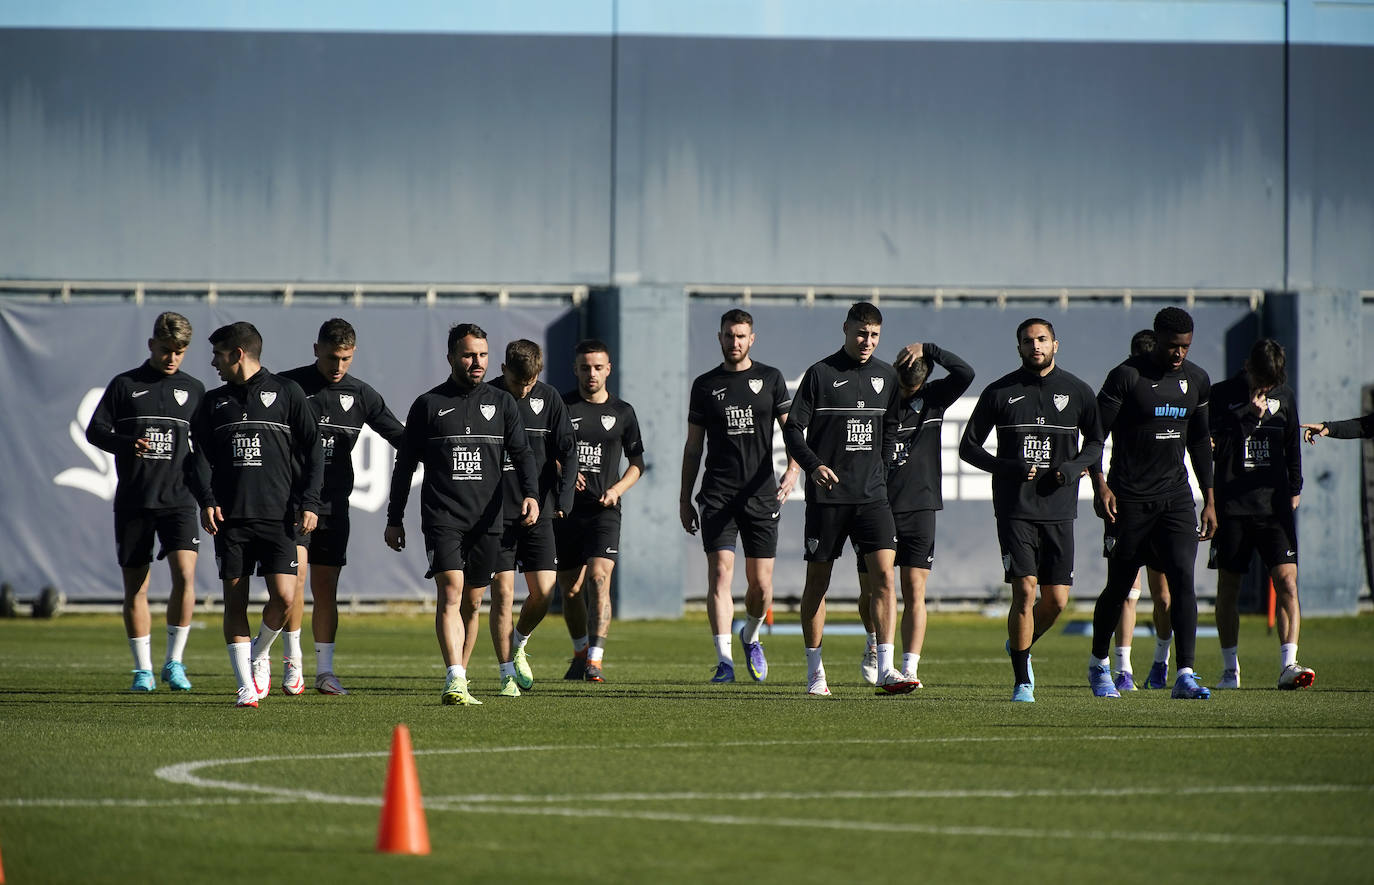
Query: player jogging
x=144, y=420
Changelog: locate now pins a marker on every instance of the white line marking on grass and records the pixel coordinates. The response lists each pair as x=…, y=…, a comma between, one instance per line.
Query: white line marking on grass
x=143, y=803
x=186, y=773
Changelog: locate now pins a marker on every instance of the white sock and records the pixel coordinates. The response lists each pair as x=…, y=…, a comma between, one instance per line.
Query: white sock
x=1099, y=663
x=580, y=645
x=507, y=669
x=872, y=639
x=1185, y=671
x=176, y=641
x=1288, y=654
x=324, y=657
x=518, y=639
x=293, y=646
x=457, y=670
x=1121, y=659
x=723, y=649
x=910, y=663
x=240, y=655
x=262, y=645
x=813, y=661
x=1230, y=660
x=142, y=647
x=885, y=650
x=750, y=633
x=594, y=653
x=1162, y=650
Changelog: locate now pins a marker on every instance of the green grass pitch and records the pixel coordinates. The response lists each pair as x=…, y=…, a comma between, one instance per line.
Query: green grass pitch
x=657, y=776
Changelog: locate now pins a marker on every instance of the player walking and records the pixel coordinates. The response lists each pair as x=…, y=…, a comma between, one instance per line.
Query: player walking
x=588, y=538
x=342, y=404
x=1155, y=408
x=1040, y=412
x=731, y=409
x=143, y=419
x=461, y=430
x=1258, y=461
x=258, y=458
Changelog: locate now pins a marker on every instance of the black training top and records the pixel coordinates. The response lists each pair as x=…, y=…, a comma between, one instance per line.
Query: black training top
x=1352, y=428
x=845, y=417
x=1038, y=419
x=342, y=409
x=915, y=474
x=738, y=411
x=553, y=446
x=1258, y=458
x=462, y=435
x=1153, y=414
x=261, y=445
x=604, y=432
x=144, y=403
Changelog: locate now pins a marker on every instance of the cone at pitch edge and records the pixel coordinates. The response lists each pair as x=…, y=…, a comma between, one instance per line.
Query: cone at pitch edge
x=402, y=829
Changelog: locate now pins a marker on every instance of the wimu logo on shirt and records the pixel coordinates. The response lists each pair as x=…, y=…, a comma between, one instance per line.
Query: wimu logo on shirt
x=1171, y=411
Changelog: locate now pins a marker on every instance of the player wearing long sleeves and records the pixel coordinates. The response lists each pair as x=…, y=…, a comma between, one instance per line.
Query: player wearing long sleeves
x=1039, y=412
x=1155, y=408
x=1351, y=428
x=461, y=430
x=343, y=404
x=588, y=537
x=1257, y=452
x=143, y=419
x=914, y=480
x=532, y=548
x=842, y=430
x=730, y=414
x=259, y=444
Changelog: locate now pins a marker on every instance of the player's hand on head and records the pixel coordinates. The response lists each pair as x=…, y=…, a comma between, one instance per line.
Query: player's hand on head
x=909, y=355
x=688, y=514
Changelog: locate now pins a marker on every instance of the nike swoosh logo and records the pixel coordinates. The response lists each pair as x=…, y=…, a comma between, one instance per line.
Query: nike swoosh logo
x=294, y=564
x=1291, y=553
x=1017, y=399
x=841, y=383
x=137, y=393
x=1154, y=385
x=1235, y=405
x=611, y=550
x=443, y=412
x=718, y=392
x=775, y=515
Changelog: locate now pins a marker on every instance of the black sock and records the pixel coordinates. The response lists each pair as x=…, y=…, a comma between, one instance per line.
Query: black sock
x=1020, y=665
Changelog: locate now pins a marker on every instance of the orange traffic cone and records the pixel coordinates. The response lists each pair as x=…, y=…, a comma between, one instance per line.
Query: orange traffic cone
x=402, y=829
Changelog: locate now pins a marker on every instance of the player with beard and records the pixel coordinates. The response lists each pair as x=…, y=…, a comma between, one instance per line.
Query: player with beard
x=842, y=430
x=588, y=538
x=914, y=480
x=731, y=409
x=1039, y=412
x=1258, y=459
x=531, y=547
x=343, y=404
x=462, y=430
x=1155, y=408
x=143, y=419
